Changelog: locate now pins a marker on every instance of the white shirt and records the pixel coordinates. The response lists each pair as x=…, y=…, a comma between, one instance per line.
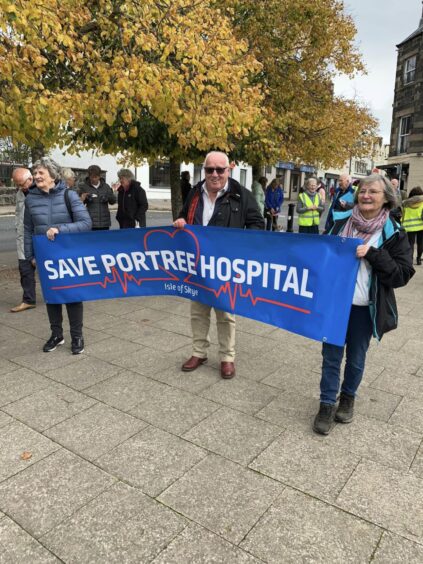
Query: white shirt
x=208, y=205
x=362, y=285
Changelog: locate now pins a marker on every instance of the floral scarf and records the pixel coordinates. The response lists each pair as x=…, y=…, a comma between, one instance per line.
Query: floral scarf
x=359, y=227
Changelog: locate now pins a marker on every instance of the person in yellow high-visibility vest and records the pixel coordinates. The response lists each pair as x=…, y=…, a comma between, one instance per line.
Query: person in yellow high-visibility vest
x=412, y=220
x=309, y=208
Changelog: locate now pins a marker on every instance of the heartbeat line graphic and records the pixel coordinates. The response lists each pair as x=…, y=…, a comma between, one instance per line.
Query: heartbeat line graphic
x=123, y=280
x=238, y=292
x=233, y=293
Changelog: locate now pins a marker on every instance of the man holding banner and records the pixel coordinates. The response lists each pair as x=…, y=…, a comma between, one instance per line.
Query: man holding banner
x=222, y=202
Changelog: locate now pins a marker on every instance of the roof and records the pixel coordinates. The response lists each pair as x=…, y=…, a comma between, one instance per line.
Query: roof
x=418, y=31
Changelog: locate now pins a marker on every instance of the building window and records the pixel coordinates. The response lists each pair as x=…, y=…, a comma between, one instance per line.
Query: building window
x=410, y=69
x=360, y=167
x=160, y=174
x=268, y=169
x=243, y=177
x=404, y=134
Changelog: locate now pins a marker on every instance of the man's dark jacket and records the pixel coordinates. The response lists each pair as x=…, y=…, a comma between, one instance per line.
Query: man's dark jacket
x=236, y=208
x=97, y=202
x=392, y=267
x=132, y=203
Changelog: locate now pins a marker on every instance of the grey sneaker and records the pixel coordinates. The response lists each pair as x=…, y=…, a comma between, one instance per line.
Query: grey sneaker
x=345, y=411
x=323, y=421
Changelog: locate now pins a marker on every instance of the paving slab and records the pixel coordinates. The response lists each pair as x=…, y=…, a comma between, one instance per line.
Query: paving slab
x=112, y=348
x=4, y=419
x=377, y=441
x=386, y=497
x=394, y=548
x=196, y=544
x=47, y=492
x=154, y=337
x=84, y=374
x=298, y=528
x=95, y=431
x=50, y=406
x=21, y=447
x=151, y=460
x=174, y=410
x=402, y=384
x=376, y=404
x=233, y=434
x=126, y=390
x=292, y=378
x=121, y=526
x=19, y=384
x=6, y=366
x=146, y=361
x=388, y=358
x=41, y=362
x=409, y=414
x=147, y=315
x=417, y=466
x=222, y=496
x=291, y=410
x=308, y=464
x=16, y=545
x=241, y=394
x=193, y=382
x=255, y=366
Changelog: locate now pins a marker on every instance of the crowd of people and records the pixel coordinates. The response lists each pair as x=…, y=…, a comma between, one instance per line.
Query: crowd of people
x=50, y=201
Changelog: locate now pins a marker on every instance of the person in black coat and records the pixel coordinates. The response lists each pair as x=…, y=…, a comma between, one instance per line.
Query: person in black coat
x=132, y=201
x=97, y=195
x=385, y=263
x=185, y=185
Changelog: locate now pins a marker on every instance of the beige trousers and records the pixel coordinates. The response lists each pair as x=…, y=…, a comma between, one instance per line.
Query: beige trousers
x=200, y=324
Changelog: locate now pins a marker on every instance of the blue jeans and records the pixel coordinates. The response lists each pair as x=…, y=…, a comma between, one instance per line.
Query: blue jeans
x=357, y=341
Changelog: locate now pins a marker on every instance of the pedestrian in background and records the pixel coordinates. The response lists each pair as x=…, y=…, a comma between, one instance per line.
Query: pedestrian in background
x=69, y=177
x=309, y=208
x=258, y=189
x=273, y=204
x=97, y=195
x=386, y=263
x=412, y=220
x=22, y=179
x=185, y=185
x=132, y=201
x=342, y=202
x=50, y=209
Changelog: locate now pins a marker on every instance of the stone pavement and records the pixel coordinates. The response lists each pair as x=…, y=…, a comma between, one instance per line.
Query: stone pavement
x=117, y=456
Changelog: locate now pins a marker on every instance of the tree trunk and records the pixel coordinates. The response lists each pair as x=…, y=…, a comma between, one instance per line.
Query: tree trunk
x=175, y=186
x=37, y=151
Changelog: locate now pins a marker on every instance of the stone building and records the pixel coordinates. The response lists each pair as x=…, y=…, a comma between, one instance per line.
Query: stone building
x=405, y=160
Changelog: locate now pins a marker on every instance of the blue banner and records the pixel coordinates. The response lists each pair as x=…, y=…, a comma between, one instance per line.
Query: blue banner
x=301, y=283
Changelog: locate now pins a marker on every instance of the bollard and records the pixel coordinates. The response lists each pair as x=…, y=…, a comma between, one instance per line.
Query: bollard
x=290, y=224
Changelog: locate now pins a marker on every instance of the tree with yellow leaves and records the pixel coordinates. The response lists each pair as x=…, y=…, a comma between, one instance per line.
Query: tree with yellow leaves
x=302, y=45
x=114, y=73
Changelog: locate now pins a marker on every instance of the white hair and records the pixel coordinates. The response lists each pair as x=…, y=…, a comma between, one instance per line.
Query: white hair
x=215, y=153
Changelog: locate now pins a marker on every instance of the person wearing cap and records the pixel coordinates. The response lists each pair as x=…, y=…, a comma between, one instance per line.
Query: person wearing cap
x=97, y=195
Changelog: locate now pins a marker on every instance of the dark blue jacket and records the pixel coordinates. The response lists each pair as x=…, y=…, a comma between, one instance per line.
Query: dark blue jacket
x=48, y=209
x=274, y=199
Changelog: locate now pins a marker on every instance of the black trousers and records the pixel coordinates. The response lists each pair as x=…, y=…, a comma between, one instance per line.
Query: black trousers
x=27, y=272
x=414, y=236
x=126, y=223
x=271, y=220
x=75, y=314
x=308, y=229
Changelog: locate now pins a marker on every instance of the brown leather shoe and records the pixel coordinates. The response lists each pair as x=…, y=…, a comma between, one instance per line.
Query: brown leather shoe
x=193, y=363
x=22, y=307
x=227, y=370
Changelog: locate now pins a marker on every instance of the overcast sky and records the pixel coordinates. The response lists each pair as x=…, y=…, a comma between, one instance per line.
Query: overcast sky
x=381, y=25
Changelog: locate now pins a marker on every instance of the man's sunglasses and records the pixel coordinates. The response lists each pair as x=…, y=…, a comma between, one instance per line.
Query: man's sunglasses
x=218, y=169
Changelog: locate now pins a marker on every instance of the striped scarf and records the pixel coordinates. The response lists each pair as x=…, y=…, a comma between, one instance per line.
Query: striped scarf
x=362, y=227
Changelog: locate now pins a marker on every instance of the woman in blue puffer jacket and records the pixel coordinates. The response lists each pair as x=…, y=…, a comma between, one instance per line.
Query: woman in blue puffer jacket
x=46, y=212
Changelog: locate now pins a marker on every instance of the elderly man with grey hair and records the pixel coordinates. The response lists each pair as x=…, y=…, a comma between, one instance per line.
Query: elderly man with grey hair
x=343, y=201
x=220, y=201
x=132, y=201
x=22, y=179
